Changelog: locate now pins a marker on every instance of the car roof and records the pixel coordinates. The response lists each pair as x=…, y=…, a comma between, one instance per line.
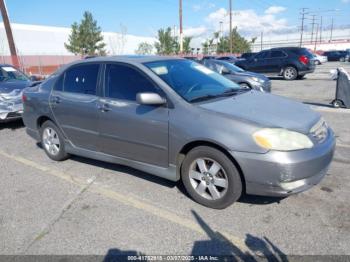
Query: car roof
x=131, y=59
x=2, y=65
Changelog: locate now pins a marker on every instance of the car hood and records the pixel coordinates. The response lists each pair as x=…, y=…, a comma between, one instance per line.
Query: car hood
x=266, y=110
x=251, y=74
x=10, y=86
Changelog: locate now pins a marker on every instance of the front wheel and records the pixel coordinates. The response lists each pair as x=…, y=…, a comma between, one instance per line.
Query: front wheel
x=290, y=73
x=245, y=86
x=337, y=103
x=211, y=178
x=52, y=141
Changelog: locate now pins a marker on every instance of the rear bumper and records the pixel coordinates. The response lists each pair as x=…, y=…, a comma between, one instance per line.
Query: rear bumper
x=285, y=173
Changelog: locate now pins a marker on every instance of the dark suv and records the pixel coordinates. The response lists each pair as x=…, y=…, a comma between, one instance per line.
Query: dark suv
x=336, y=55
x=289, y=62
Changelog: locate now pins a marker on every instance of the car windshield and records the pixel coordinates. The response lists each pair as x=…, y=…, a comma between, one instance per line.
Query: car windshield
x=231, y=67
x=192, y=81
x=9, y=73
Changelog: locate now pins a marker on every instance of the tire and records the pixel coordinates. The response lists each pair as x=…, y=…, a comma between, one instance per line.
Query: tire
x=200, y=180
x=337, y=103
x=318, y=62
x=245, y=86
x=290, y=73
x=52, y=141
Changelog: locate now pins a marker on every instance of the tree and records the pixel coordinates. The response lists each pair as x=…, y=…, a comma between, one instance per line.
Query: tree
x=240, y=44
x=86, y=38
x=144, y=49
x=169, y=45
x=165, y=44
x=187, y=44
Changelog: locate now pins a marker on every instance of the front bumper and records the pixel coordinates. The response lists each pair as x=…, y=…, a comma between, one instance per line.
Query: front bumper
x=285, y=173
x=265, y=86
x=11, y=112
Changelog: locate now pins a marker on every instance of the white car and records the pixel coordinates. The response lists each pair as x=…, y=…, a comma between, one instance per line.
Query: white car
x=320, y=59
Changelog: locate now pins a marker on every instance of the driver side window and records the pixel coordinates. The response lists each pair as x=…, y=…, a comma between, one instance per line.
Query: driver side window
x=124, y=82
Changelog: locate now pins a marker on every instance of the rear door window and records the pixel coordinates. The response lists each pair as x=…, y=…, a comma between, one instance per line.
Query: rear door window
x=81, y=79
x=263, y=55
x=277, y=54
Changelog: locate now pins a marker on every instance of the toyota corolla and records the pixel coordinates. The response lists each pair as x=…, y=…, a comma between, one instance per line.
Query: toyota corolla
x=179, y=120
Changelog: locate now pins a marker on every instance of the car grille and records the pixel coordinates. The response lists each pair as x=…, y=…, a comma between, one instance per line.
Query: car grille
x=320, y=131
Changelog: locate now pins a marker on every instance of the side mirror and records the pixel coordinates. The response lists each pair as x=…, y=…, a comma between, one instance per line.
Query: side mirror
x=225, y=71
x=150, y=99
x=34, y=78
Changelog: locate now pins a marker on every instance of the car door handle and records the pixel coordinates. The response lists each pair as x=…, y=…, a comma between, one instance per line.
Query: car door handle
x=103, y=107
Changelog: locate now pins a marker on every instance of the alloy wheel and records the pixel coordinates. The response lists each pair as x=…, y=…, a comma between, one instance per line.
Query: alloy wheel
x=290, y=73
x=51, y=141
x=208, y=178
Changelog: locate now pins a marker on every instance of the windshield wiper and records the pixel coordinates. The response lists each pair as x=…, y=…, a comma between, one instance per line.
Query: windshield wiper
x=230, y=92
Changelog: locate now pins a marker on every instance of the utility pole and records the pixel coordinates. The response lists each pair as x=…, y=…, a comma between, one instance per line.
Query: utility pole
x=317, y=26
x=181, y=29
x=261, y=40
x=9, y=35
x=313, y=27
x=230, y=34
x=321, y=28
x=303, y=13
x=221, y=29
x=332, y=29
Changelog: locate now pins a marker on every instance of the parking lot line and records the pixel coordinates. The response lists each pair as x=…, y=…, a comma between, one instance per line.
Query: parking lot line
x=129, y=201
x=343, y=145
x=331, y=110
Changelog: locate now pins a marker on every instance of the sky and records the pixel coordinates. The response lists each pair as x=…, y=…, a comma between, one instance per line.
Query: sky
x=201, y=17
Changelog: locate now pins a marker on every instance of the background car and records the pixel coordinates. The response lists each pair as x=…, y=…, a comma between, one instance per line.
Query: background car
x=230, y=59
x=320, y=59
x=289, y=62
x=12, y=83
x=247, y=55
x=335, y=55
x=243, y=78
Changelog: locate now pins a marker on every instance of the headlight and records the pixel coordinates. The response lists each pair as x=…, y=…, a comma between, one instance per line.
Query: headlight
x=259, y=80
x=281, y=139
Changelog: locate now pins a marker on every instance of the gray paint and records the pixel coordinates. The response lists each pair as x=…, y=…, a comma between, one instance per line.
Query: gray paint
x=150, y=138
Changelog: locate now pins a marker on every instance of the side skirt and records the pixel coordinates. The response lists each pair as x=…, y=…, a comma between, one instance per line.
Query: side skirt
x=167, y=173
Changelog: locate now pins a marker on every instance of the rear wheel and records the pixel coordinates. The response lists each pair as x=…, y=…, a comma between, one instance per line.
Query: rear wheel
x=211, y=178
x=52, y=141
x=290, y=73
x=317, y=62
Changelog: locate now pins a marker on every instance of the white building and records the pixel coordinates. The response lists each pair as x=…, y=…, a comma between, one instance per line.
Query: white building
x=49, y=40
